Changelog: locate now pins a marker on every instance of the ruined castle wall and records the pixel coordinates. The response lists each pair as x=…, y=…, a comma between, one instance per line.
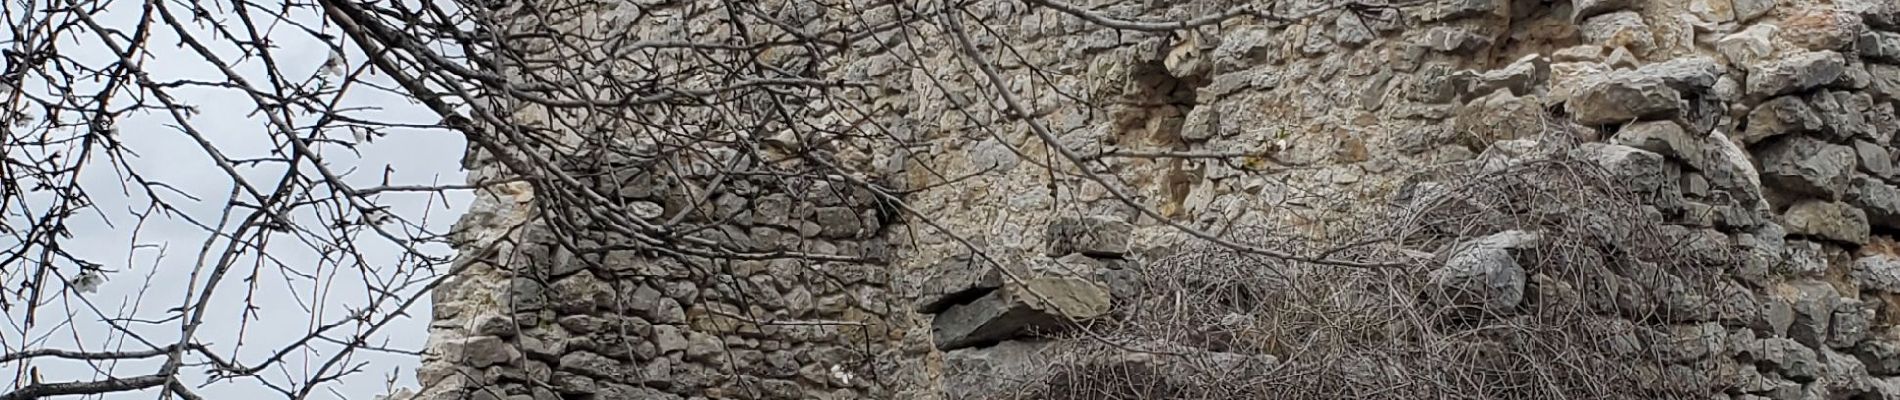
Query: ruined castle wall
x=1761, y=131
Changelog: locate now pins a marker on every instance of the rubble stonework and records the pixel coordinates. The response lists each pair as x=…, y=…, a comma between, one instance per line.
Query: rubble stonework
x=1759, y=134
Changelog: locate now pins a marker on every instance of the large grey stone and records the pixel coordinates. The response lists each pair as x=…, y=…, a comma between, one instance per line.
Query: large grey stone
x=1878, y=272
x=1705, y=246
x=1780, y=116
x=1844, y=376
x=1808, y=166
x=1498, y=116
x=1795, y=73
x=1886, y=387
x=1201, y=124
x=955, y=280
x=1813, y=303
x=1519, y=77
x=1880, y=200
x=1852, y=323
x=1245, y=47
x=1729, y=169
x=1845, y=116
x=476, y=352
x=1821, y=28
x=1750, y=45
x=1642, y=172
x=1881, y=356
x=1885, y=82
x=1451, y=39
x=1350, y=31
x=1688, y=343
x=1693, y=74
x=580, y=293
x=668, y=339
x=1483, y=273
x=1661, y=137
x=1829, y=220
x=1878, y=14
x=591, y=364
x=1885, y=116
x=1616, y=98
x=1098, y=236
x=1783, y=355
x=1883, y=47
x=1045, y=304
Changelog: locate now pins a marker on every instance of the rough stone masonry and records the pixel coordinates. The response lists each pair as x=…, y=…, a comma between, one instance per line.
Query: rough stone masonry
x=1760, y=133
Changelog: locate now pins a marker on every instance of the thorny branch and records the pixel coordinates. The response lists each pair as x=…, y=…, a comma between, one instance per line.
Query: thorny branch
x=295, y=203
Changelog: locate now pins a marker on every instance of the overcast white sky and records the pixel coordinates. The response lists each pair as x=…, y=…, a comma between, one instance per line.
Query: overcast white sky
x=146, y=285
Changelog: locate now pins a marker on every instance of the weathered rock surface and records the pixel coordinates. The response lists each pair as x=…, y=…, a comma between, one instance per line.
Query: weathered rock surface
x=1879, y=272
x=1609, y=99
x=1879, y=199
x=1039, y=305
x=1779, y=116
x=1830, y=220
x=1795, y=73
x=1880, y=46
x=1484, y=273
x=1808, y=166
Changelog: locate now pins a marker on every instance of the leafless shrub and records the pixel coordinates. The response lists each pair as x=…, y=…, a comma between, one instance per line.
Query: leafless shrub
x=1587, y=329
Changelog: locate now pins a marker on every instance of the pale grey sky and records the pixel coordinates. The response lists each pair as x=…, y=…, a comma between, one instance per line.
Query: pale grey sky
x=146, y=285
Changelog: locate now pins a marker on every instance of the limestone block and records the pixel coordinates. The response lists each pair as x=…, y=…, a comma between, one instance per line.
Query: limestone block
x=1829, y=220
x=1748, y=46
x=1879, y=272
x=1846, y=116
x=1787, y=357
x=1483, y=273
x=1618, y=29
x=1807, y=166
x=1615, y=98
x=1821, y=28
x=1037, y=305
x=1879, y=199
x=1880, y=355
x=1780, y=116
x=1795, y=73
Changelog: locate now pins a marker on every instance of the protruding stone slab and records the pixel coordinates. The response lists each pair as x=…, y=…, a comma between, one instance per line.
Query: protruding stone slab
x=955, y=280
x=1795, y=73
x=1037, y=305
x=1695, y=74
x=1618, y=98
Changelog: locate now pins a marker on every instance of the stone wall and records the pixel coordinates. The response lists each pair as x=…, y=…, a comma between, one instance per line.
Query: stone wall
x=1757, y=134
